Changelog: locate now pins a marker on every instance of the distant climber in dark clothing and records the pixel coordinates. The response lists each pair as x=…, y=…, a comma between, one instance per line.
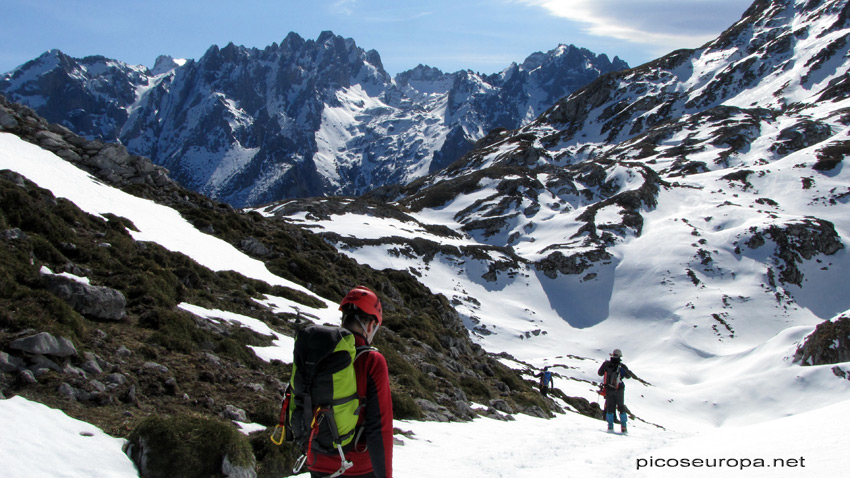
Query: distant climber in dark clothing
x=614, y=371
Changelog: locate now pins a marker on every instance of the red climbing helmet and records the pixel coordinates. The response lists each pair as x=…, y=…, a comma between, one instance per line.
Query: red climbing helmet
x=365, y=300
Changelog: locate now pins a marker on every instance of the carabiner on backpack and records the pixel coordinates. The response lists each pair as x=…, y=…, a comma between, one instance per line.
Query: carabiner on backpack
x=299, y=463
x=343, y=463
x=282, y=435
x=283, y=423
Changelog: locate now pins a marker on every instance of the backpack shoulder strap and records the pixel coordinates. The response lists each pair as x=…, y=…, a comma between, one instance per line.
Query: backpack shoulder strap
x=363, y=349
x=361, y=379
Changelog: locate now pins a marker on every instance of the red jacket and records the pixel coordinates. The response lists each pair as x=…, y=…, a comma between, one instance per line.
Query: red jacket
x=373, y=382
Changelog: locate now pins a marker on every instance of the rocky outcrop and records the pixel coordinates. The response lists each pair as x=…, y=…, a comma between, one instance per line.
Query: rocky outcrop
x=108, y=161
x=801, y=135
x=43, y=358
x=557, y=262
x=830, y=156
x=796, y=242
x=828, y=344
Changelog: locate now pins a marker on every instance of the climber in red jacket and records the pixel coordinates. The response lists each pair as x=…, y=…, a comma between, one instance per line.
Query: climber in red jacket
x=372, y=456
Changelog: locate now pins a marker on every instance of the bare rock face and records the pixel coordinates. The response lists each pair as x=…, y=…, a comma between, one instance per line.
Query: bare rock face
x=828, y=344
x=557, y=262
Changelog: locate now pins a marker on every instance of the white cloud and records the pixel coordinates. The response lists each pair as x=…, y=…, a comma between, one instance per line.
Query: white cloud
x=662, y=23
x=344, y=7
x=384, y=11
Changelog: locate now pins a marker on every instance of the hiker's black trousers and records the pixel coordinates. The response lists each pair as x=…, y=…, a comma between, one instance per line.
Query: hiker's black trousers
x=615, y=400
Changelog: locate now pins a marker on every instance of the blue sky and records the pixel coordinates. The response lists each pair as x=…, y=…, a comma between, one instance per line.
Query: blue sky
x=483, y=36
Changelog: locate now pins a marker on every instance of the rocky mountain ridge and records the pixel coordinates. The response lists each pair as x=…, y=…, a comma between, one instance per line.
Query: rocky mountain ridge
x=299, y=119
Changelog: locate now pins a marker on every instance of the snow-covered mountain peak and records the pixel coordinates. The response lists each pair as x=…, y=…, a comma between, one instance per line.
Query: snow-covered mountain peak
x=165, y=64
x=250, y=126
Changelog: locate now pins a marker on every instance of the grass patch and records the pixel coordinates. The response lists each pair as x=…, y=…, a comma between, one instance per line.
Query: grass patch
x=273, y=461
x=187, y=446
x=405, y=407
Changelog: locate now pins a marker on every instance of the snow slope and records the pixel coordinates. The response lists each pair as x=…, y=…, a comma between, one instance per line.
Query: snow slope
x=48, y=443
x=39, y=441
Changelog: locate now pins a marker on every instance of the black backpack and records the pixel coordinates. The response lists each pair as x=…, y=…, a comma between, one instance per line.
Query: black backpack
x=611, y=380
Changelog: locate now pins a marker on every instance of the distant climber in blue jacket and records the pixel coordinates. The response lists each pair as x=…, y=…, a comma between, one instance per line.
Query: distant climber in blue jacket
x=613, y=372
x=545, y=380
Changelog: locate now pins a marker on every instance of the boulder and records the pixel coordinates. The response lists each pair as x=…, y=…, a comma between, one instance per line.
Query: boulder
x=10, y=363
x=254, y=247
x=501, y=406
x=7, y=121
x=44, y=344
x=153, y=366
x=41, y=362
x=495, y=415
x=91, y=367
x=233, y=413
x=27, y=377
x=535, y=411
x=96, y=302
x=433, y=412
x=14, y=234
x=116, y=379
x=68, y=392
x=463, y=410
